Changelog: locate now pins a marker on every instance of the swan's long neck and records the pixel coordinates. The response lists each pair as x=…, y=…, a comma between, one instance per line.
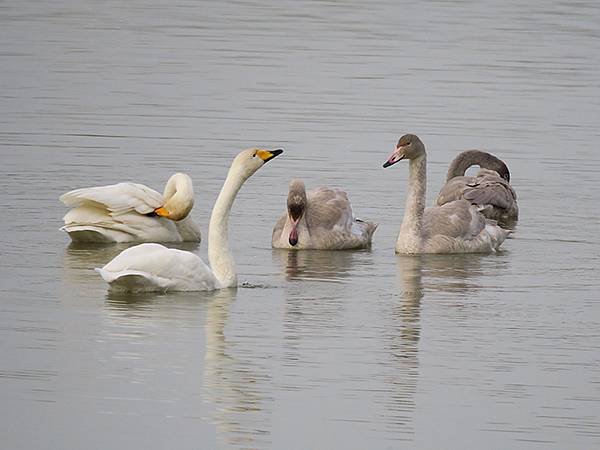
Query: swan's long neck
x=179, y=195
x=469, y=158
x=412, y=224
x=219, y=254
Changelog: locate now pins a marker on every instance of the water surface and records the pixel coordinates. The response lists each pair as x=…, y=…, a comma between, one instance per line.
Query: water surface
x=317, y=349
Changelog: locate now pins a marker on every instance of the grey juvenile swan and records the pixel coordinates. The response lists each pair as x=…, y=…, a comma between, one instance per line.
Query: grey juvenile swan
x=456, y=227
x=320, y=219
x=490, y=189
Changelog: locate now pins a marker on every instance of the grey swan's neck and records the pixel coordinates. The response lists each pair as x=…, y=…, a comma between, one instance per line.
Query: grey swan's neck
x=412, y=223
x=466, y=159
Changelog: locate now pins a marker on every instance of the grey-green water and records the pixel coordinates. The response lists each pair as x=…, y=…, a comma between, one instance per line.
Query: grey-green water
x=326, y=350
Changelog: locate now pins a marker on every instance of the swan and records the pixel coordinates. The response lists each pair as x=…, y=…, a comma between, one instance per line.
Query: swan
x=490, y=189
x=456, y=227
x=153, y=267
x=132, y=212
x=320, y=219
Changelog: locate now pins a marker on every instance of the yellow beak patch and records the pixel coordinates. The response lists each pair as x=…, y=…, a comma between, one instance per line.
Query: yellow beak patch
x=162, y=212
x=265, y=155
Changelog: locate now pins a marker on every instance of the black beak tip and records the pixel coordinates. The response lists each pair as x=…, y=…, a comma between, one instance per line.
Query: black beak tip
x=293, y=242
x=386, y=164
x=277, y=151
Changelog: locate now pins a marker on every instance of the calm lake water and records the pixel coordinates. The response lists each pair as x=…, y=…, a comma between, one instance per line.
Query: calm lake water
x=317, y=350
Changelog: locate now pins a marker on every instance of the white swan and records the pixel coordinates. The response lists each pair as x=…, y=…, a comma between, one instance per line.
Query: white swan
x=456, y=227
x=490, y=189
x=131, y=212
x=153, y=267
x=320, y=219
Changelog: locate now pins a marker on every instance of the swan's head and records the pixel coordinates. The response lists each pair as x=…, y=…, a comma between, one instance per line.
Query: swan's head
x=296, y=205
x=179, y=196
x=249, y=161
x=409, y=147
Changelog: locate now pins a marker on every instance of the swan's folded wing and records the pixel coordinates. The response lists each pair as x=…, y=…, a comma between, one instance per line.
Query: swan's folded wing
x=278, y=228
x=452, y=190
x=490, y=191
x=329, y=208
x=118, y=198
x=455, y=219
x=172, y=268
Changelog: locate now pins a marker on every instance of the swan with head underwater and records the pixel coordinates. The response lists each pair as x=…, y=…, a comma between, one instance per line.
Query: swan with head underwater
x=456, y=227
x=489, y=189
x=132, y=212
x=153, y=267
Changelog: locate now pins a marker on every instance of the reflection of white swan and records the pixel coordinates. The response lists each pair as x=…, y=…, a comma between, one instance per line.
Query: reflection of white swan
x=320, y=219
x=131, y=212
x=153, y=267
x=232, y=380
x=490, y=189
x=456, y=227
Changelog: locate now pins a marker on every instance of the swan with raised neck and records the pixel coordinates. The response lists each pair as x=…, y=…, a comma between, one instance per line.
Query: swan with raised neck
x=153, y=267
x=453, y=228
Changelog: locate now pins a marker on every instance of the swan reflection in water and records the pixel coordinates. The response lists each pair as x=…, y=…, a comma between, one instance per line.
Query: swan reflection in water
x=236, y=386
x=419, y=277
x=318, y=265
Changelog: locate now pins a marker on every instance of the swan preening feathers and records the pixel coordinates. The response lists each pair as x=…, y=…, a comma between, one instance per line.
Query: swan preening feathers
x=455, y=227
x=490, y=189
x=153, y=267
x=132, y=212
x=320, y=219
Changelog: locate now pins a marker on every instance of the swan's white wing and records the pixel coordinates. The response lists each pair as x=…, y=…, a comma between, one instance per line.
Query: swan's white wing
x=328, y=208
x=118, y=198
x=155, y=267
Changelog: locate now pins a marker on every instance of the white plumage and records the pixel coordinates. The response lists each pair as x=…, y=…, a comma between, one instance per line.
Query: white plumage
x=126, y=212
x=153, y=267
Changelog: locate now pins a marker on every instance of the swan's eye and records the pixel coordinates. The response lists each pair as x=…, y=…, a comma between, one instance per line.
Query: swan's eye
x=254, y=156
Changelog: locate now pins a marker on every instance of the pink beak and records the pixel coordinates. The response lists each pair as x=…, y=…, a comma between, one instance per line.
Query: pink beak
x=396, y=156
x=293, y=237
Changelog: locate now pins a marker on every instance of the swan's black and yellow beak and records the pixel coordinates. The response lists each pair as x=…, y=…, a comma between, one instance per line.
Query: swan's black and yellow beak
x=397, y=155
x=268, y=155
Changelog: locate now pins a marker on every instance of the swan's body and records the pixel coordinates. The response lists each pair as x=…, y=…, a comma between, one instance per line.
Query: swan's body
x=456, y=227
x=320, y=219
x=153, y=267
x=490, y=189
x=131, y=212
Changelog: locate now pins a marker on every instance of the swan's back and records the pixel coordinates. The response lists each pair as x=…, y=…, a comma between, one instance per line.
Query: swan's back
x=493, y=194
x=459, y=227
x=117, y=199
x=328, y=208
x=153, y=267
x=122, y=213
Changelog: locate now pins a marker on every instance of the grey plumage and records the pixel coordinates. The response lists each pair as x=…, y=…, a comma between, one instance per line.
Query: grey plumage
x=324, y=219
x=490, y=189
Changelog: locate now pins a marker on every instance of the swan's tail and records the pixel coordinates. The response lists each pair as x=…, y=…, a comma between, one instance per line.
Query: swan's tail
x=133, y=280
x=497, y=233
x=87, y=233
x=369, y=227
